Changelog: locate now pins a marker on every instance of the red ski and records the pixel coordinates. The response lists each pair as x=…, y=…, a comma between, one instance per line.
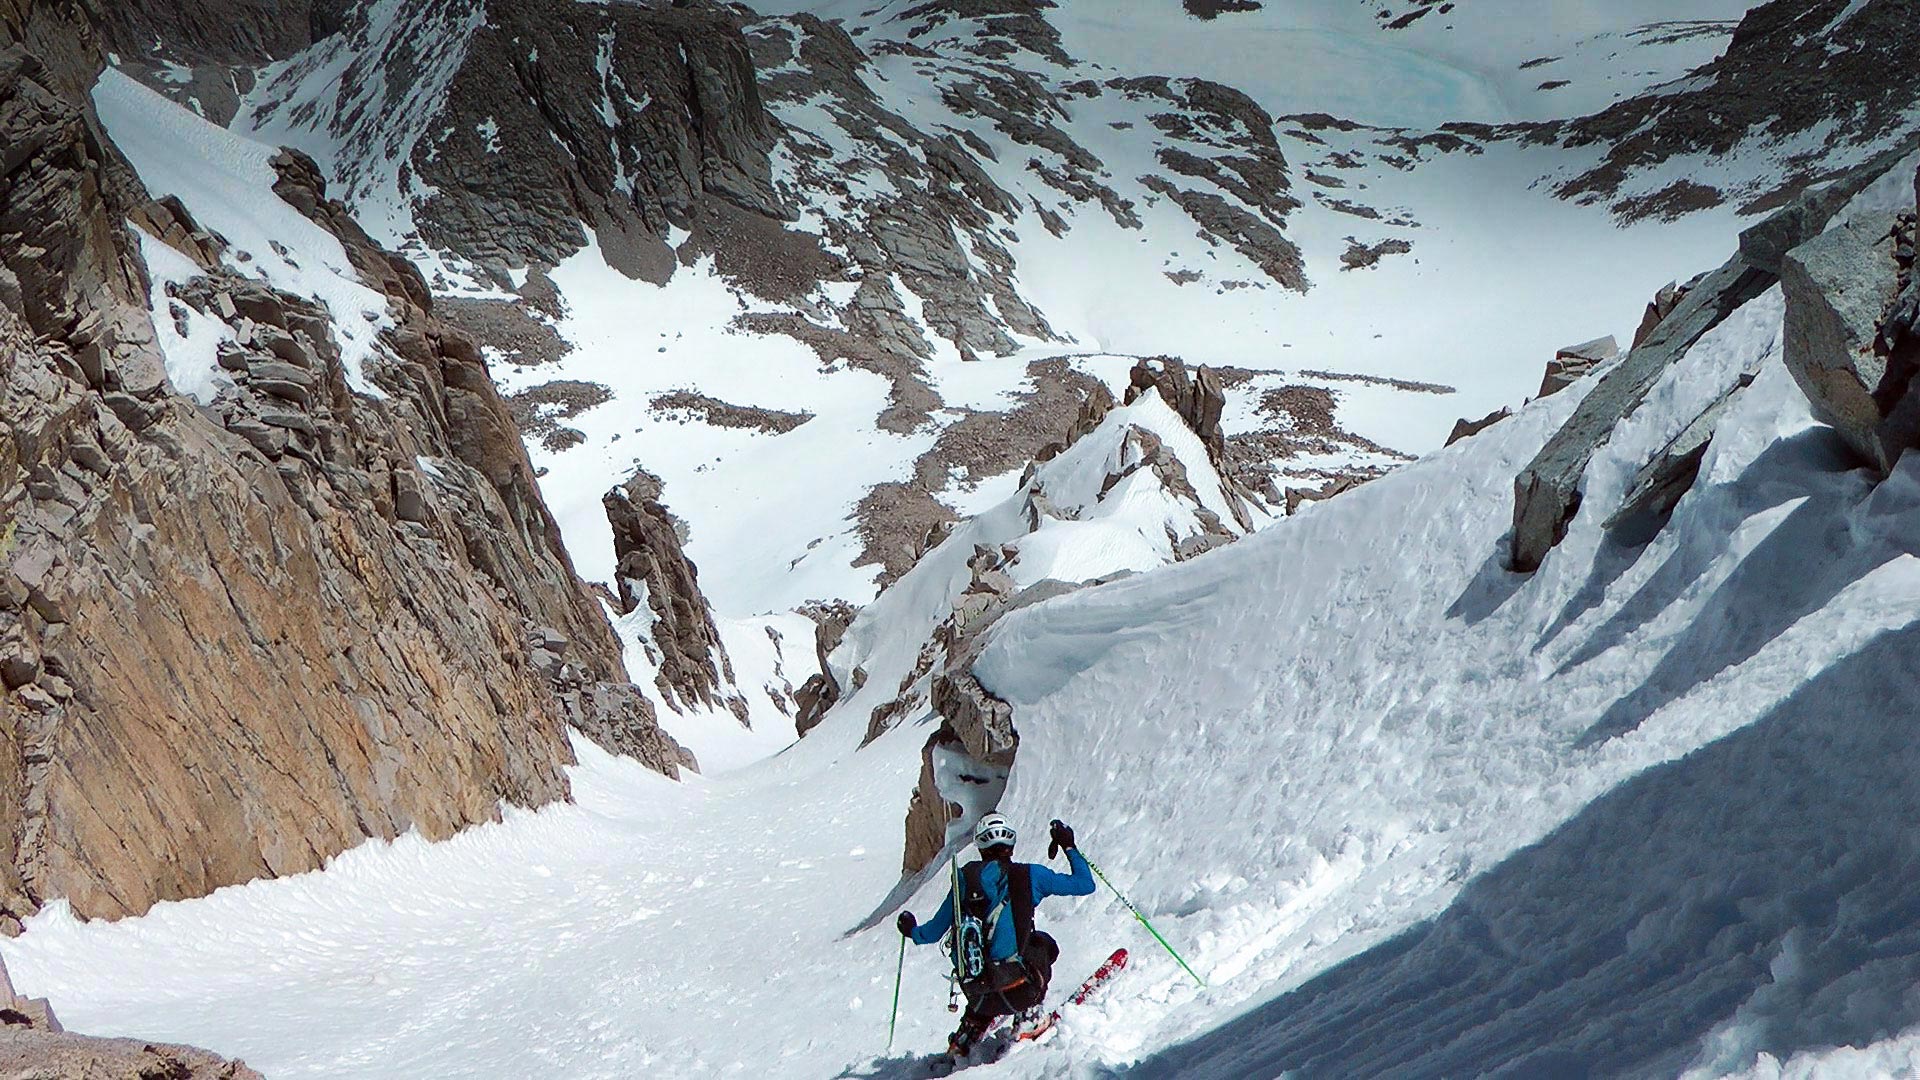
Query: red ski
x=1101, y=976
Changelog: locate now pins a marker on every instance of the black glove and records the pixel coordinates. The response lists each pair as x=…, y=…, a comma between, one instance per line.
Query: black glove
x=906, y=923
x=1062, y=838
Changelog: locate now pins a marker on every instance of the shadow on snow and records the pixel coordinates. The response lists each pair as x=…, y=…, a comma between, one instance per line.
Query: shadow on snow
x=1760, y=894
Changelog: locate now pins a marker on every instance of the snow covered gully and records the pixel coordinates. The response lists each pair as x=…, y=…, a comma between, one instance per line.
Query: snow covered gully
x=1647, y=810
x=1408, y=813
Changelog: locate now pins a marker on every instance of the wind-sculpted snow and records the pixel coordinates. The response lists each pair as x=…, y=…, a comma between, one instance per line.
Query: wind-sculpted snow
x=1405, y=745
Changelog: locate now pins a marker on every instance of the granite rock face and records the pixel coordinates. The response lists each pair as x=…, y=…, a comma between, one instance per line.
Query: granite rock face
x=1850, y=339
x=289, y=620
x=653, y=569
x=657, y=110
x=1547, y=491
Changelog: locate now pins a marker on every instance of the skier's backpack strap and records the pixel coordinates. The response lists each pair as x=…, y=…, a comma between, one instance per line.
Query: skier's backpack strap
x=1020, y=892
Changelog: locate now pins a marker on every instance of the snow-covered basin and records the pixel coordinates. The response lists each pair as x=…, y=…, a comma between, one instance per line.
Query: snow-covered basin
x=1286, y=751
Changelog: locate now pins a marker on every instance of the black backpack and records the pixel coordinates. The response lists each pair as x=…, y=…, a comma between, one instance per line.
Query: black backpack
x=975, y=923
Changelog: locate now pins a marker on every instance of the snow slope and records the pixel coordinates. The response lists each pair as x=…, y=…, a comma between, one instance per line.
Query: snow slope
x=770, y=514
x=226, y=182
x=1500, y=274
x=1421, y=716
x=1316, y=758
x=1105, y=516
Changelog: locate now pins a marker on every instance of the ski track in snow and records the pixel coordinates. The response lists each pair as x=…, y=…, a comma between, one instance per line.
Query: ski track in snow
x=1383, y=718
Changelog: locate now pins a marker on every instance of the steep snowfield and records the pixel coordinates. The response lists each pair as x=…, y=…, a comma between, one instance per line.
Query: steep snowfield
x=1290, y=751
x=226, y=182
x=1419, y=715
x=770, y=514
x=1499, y=276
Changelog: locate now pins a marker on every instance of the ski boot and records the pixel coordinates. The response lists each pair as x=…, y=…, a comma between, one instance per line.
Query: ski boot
x=1025, y=1020
x=959, y=1045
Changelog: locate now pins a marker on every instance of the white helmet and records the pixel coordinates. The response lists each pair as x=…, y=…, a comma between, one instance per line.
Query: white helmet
x=992, y=831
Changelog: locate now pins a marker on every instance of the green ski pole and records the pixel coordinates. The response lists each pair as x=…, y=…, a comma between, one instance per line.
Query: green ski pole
x=899, y=966
x=1143, y=920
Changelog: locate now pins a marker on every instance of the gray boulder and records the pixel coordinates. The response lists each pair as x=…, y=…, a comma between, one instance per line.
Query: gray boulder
x=1547, y=492
x=1466, y=429
x=1841, y=289
x=1571, y=363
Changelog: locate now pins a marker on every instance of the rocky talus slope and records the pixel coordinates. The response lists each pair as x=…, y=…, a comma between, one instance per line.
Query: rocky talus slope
x=237, y=638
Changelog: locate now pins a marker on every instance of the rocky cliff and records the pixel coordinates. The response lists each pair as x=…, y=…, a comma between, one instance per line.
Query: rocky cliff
x=1842, y=255
x=240, y=635
x=654, y=572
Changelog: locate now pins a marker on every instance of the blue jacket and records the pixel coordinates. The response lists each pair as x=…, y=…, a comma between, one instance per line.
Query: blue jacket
x=993, y=878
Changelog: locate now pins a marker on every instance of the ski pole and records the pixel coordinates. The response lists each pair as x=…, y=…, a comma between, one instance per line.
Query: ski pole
x=1143, y=921
x=899, y=966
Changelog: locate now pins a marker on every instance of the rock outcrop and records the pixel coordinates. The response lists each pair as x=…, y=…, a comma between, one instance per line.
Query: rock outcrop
x=1659, y=484
x=966, y=759
x=1850, y=341
x=1199, y=398
x=1466, y=429
x=1547, y=492
x=1661, y=306
x=821, y=691
x=653, y=570
x=289, y=620
x=50, y=1055
x=34, y=1044
x=1574, y=362
x=660, y=123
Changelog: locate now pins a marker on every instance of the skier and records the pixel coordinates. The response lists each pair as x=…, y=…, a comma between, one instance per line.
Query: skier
x=1012, y=975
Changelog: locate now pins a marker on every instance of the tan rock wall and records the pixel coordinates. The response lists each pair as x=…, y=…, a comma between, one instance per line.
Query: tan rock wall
x=236, y=640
